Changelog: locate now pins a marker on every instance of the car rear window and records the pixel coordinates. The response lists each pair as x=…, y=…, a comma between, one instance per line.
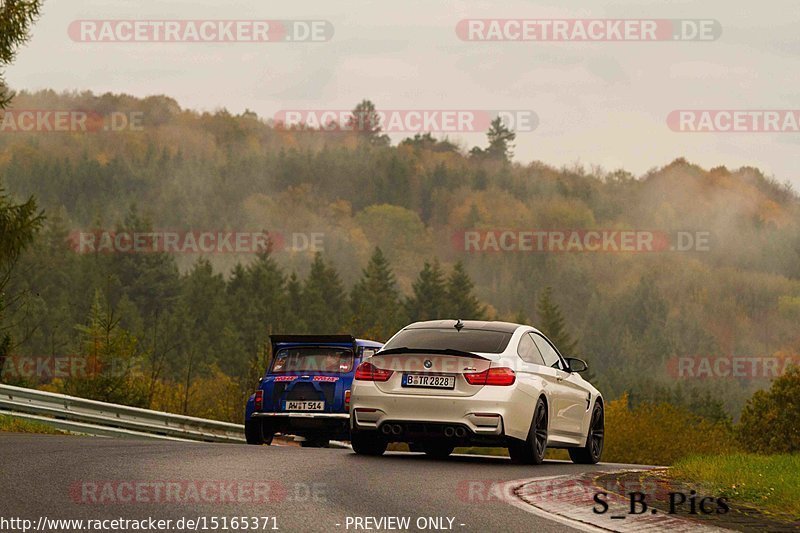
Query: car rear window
x=467, y=340
x=316, y=359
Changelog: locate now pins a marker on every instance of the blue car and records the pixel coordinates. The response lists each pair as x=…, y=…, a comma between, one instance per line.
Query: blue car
x=306, y=390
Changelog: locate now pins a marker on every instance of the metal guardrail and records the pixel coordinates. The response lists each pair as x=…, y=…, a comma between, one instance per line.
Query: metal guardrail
x=79, y=415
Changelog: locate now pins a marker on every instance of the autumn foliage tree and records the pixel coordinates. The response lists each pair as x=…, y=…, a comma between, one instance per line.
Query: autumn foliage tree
x=193, y=170
x=770, y=421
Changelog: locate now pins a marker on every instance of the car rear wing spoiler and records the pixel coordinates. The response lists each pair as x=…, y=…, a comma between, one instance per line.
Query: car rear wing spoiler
x=417, y=351
x=313, y=339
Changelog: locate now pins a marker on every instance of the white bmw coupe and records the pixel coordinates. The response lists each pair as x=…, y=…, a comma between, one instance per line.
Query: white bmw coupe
x=441, y=384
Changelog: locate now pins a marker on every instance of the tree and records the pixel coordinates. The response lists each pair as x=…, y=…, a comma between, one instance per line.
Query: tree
x=480, y=181
x=461, y=302
x=473, y=217
x=520, y=317
x=500, y=139
x=202, y=316
x=770, y=421
x=426, y=141
x=551, y=323
x=436, y=181
x=394, y=187
x=19, y=224
x=375, y=302
x=294, y=302
x=645, y=314
x=257, y=302
x=16, y=19
x=365, y=120
x=113, y=372
x=324, y=301
x=500, y=143
x=429, y=298
x=151, y=280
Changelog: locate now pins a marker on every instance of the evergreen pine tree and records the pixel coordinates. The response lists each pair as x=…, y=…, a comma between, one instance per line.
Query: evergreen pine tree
x=16, y=19
x=323, y=298
x=294, y=315
x=113, y=373
x=202, y=318
x=429, y=299
x=500, y=139
x=374, y=301
x=19, y=223
x=257, y=301
x=365, y=120
x=461, y=301
x=551, y=323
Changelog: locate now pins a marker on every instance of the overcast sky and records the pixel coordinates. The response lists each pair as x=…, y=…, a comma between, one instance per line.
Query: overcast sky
x=601, y=103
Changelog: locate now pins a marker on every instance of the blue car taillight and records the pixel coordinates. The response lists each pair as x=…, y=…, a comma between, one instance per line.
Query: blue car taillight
x=259, y=400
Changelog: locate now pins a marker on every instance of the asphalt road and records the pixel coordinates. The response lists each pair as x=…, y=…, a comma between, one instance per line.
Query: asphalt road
x=63, y=477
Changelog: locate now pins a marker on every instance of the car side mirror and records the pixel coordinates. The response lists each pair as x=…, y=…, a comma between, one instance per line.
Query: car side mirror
x=577, y=365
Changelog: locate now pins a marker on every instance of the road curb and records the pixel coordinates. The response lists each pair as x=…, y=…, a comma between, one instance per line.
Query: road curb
x=569, y=500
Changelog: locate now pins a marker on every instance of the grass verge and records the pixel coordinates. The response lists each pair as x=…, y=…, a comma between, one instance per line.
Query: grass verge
x=18, y=425
x=767, y=482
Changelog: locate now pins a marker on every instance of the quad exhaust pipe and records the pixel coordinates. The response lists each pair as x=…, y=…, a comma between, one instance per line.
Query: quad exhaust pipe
x=457, y=432
x=449, y=431
x=391, y=429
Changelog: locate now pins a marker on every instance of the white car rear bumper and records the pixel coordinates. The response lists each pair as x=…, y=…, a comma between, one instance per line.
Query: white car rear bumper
x=486, y=413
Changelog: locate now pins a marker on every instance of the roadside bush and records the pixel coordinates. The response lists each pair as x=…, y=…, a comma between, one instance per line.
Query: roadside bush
x=112, y=359
x=660, y=434
x=770, y=421
x=216, y=396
